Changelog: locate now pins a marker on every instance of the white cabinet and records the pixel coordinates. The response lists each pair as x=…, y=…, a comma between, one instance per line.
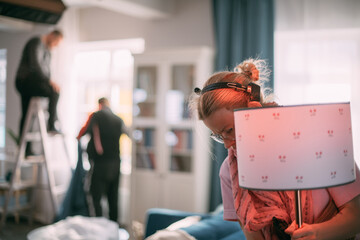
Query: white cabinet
x=171, y=155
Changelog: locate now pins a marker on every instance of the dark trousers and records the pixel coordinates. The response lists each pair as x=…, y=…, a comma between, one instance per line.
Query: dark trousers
x=30, y=90
x=105, y=182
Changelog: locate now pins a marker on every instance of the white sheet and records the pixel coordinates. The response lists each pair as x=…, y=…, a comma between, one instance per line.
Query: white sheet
x=77, y=228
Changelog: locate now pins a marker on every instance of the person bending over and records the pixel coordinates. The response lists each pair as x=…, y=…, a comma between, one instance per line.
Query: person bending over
x=334, y=213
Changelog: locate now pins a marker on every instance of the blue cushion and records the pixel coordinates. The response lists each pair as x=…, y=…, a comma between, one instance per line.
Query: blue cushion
x=160, y=218
x=214, y=228
x=235, y=236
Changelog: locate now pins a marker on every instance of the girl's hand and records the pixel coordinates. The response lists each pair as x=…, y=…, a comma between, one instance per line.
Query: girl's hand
x=306, y=232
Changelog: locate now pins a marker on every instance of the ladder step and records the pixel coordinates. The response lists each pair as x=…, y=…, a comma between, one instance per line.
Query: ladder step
x=16, y=186
x=37, y=159
x=33, y=137
x=4, y=185
x=58, y=134
x=36, y=136
x=60, y=189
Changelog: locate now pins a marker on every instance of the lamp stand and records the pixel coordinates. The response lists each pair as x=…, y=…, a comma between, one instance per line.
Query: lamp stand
x=298, y=209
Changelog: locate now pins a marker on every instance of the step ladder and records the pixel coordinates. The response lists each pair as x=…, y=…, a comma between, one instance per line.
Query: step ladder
x=35, y=116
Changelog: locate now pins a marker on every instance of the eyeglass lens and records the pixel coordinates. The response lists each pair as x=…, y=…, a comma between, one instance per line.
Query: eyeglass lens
x=217, y=137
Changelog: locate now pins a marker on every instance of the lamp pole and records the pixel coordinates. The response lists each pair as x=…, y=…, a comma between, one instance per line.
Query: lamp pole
x=298, y=211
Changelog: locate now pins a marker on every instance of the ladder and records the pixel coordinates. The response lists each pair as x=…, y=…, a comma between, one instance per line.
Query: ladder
x=35, y=115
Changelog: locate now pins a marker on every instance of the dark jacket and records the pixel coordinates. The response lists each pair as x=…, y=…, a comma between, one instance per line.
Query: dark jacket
x=34, y=67
x=111, y=127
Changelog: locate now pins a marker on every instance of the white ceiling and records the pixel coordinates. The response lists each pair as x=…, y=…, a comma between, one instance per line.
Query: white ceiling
x=146, y=9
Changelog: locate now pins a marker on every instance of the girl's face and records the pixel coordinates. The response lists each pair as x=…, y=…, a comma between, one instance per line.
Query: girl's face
x=221, y=123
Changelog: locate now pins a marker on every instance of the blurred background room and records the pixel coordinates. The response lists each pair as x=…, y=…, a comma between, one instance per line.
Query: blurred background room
x=146, y=57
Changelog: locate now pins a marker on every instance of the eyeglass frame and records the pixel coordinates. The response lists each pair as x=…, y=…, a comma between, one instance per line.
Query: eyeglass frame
x=219, y=137
x=251, y=88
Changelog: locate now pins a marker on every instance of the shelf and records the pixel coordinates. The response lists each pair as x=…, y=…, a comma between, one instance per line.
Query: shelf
x=142, y=150
x=182, y=139
x=145, y=161
x=19, y=202
x=145, y=109
x=17, y=209
x=181, y=152
x=184, y=124
x=181, y=86
x=145, y=149
x=145, y=91
x=181, y=163
x=171, y=163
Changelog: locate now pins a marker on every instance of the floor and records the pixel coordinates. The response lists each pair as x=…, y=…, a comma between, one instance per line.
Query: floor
x=19, y=231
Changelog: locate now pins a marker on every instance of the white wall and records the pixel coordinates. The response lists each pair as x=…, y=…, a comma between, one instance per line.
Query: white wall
x=190, y=25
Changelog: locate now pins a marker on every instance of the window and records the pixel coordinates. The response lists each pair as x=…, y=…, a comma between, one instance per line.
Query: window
x=105, y=69
x=317, y=54
x=2, y=97
x=315, y=66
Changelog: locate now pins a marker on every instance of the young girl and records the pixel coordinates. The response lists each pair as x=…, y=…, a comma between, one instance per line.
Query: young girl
x=332, y=213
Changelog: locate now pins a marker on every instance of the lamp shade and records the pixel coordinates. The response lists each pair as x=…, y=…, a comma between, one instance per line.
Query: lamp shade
x=294, y=147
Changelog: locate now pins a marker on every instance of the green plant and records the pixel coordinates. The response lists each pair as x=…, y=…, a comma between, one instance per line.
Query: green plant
x=13, y=136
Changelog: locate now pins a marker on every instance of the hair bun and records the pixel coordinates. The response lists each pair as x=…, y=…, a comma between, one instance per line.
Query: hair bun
x=249, y=70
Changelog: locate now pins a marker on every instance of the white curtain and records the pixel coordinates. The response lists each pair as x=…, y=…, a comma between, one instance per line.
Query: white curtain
x=317, y=55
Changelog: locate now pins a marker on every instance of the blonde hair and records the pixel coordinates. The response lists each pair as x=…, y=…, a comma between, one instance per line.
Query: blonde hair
x=250, y=70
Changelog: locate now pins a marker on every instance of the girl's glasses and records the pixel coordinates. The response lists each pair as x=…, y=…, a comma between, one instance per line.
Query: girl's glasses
x=220, y=138
x=217, y=137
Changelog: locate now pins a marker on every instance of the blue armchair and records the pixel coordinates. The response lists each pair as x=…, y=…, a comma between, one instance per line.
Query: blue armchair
x=210, y=227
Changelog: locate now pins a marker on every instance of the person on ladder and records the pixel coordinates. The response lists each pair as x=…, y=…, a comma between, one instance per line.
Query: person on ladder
x=105, y=129
x=33, y=77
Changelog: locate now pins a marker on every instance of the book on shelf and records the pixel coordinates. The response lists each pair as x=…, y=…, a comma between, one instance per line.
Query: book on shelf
x=151, y=157
x=145, y=159
x=189, y=140
x=179, y=138
x=147, y=80
x=148, y=137
x=185, y=140
x=180, y=164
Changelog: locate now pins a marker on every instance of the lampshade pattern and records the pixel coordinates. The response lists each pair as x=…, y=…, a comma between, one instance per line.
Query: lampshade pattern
x=294, y=147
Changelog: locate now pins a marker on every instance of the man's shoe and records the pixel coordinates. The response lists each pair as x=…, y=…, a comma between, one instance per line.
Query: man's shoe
x=53, y=131
x=29, y=154
x=28, y=151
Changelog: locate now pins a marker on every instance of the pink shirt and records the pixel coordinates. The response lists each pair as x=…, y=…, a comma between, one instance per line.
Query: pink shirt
x=341, y=194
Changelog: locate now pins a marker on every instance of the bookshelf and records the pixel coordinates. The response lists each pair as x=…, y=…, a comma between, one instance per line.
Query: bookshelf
x=171, y=156
x=181, y=150
x=145, y=149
